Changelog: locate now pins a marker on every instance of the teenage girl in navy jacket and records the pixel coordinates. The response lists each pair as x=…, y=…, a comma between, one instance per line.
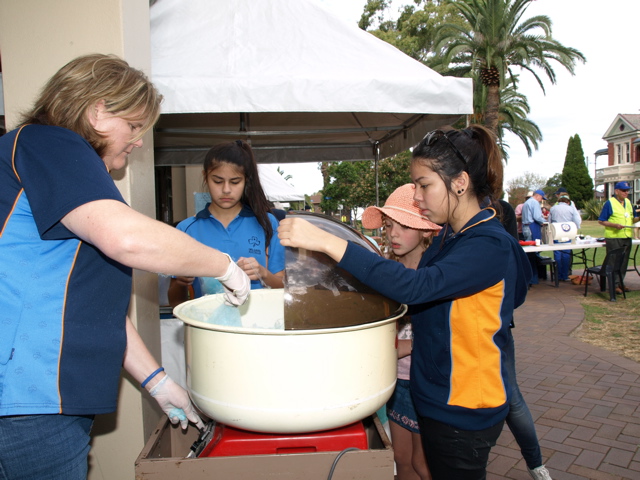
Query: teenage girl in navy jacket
x=462, y=297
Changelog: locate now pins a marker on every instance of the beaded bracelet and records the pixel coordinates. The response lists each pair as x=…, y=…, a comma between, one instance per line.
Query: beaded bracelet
x=150, y=377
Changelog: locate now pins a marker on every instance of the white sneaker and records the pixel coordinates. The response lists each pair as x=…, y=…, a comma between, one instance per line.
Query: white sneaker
x=540, y=473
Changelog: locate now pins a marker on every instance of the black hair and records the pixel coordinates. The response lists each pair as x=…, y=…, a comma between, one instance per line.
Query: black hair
x=240, y=154
x=473, y=150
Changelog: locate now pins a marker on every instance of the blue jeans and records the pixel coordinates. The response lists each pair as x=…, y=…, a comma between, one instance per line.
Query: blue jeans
x=532, y=232
x=563, y=259
x=44, y=447
x=519, y=418
x=457, y=454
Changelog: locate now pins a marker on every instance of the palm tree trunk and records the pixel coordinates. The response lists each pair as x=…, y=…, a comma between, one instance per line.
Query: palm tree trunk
x=492, y=108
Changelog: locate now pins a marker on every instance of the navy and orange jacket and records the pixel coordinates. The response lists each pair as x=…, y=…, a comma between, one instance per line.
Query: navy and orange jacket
x=461, y=297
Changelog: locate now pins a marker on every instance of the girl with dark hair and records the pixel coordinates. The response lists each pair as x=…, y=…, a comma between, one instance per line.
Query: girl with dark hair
x=237, y=221
x=461, y=296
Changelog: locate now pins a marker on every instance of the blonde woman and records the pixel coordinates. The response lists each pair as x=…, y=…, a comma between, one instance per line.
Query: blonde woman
x=68, y=244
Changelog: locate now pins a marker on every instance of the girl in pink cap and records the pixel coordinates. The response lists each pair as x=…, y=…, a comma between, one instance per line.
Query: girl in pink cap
x=406, y=234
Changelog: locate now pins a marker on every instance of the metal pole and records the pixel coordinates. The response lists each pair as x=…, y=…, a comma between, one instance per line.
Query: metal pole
x=377, y=158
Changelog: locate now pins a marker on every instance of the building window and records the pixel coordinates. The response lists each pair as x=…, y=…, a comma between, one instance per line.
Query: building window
x=619, y=154
x=628, y=149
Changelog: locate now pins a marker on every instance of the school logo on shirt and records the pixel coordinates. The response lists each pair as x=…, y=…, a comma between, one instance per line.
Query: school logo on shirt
x=254, y=247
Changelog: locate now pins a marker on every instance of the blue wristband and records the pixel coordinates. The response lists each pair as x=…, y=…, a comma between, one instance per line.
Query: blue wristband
x=150, y=377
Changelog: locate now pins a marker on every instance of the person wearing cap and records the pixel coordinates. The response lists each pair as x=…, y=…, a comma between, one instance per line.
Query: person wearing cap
x=406, y=234
x=518, y=212
x=532, y=221
x=617, y=217
x=564, y=212
x=636, y=230
x=563, y=191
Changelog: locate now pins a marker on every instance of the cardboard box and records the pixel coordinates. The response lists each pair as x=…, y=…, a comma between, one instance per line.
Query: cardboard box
x=163, y=458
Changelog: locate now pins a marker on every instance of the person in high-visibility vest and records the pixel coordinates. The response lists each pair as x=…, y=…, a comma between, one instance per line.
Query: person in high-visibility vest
x=617, y=216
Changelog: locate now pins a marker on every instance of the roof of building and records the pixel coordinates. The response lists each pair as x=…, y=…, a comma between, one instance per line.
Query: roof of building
x=632, y=118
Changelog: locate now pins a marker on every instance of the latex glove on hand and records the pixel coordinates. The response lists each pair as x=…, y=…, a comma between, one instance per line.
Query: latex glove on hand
x=236, y=283
x=175, y=402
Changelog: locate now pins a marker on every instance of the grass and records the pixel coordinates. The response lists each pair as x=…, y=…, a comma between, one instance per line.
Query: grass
x=614, y=326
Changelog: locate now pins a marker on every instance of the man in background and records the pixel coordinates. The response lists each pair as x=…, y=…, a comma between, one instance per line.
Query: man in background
x=617, y=217
x=518, y=212
x=532, y=221
x=532, y=218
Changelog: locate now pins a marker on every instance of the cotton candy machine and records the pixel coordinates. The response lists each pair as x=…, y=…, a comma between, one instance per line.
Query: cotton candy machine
x=317, y=355
x=559, y=232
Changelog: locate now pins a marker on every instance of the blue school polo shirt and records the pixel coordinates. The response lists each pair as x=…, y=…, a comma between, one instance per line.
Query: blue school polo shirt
x=244, y=237
x=63, y=303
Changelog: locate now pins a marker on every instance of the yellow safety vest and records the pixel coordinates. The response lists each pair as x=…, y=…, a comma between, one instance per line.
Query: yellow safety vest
x=622, y=215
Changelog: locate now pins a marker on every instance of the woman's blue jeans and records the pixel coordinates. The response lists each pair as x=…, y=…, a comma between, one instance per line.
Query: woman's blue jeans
x=44, y=447
x=519, y=418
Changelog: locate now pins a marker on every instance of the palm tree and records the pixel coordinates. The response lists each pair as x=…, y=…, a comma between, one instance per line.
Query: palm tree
x=495, y=39
x=513, y=113
x=514, y=109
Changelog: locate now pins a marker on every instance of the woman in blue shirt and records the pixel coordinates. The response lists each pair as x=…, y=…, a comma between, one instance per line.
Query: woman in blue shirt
x=462, y=297
x=68, y=244
x=237, y=221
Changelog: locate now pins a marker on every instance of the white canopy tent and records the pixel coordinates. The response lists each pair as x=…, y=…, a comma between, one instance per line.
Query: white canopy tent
x=295, y=81
x=276, y=187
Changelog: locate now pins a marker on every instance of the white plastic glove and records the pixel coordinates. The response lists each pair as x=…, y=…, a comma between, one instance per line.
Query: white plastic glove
x=236, y=283
x=174, y=401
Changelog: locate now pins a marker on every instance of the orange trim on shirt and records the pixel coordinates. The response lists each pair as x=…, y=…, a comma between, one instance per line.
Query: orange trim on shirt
x=476, y=373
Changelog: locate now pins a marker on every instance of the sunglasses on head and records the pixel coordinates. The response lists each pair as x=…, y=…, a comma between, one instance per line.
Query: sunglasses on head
x=432, y=138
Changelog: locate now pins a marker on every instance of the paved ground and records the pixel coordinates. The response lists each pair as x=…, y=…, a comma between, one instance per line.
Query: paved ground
x=585, y=401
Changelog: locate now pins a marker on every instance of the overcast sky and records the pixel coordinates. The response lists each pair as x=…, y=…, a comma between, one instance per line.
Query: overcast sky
x=585, y=104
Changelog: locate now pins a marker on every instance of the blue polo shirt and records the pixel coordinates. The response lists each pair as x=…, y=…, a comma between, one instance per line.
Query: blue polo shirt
x=244, y=237
x=63, y=304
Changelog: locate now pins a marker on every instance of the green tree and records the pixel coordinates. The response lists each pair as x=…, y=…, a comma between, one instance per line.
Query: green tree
x=555, y=181
x=339, y=185
x=518, y=187
x=575, y=174
x=494, y=40
x=353, y=184
x=413, y=33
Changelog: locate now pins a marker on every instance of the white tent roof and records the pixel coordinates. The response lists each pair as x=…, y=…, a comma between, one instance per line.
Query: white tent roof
x=276, y=187
x=294, y=80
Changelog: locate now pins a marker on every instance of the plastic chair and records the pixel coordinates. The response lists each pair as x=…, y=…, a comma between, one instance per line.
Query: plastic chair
x=611, y=266
x=553, y=268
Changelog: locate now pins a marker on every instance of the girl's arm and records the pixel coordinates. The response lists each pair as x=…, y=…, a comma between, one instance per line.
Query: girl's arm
x=404, y=348
x=296, y=232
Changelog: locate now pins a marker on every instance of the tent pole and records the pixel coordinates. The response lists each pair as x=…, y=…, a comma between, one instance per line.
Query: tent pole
x=377, y=158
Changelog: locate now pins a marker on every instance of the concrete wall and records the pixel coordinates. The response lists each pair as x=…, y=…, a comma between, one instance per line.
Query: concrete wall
x=37, y=37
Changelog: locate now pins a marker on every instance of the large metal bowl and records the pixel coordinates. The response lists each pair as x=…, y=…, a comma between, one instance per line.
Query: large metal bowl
x=286, y=381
